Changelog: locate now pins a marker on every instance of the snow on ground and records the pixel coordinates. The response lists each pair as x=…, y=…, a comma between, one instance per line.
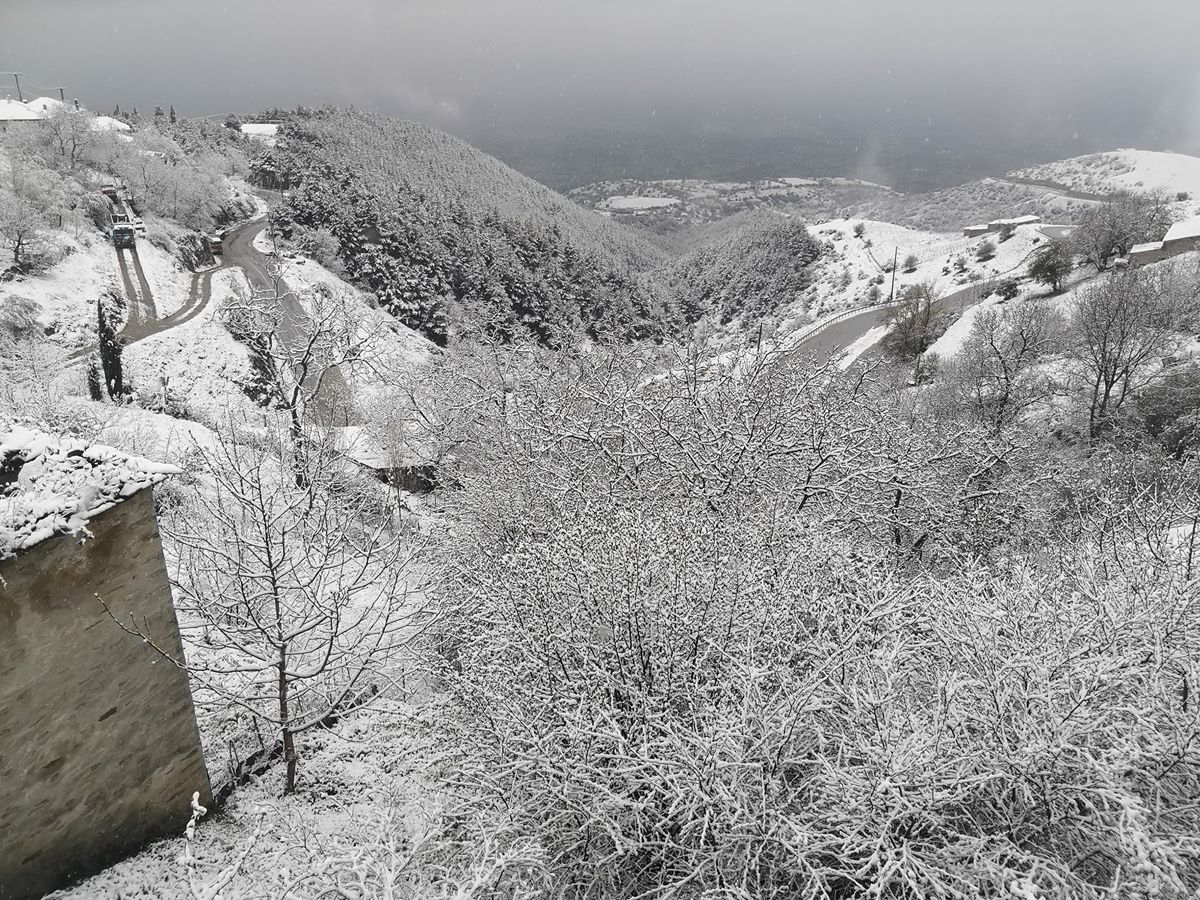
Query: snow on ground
x=956, y=335
x=842, y=278
x=66, y=294
x=242, y=188
x=404, y=349
x=169, y=281
x=198, y=361
x=360, y=787
x=1123, y=170
x=263, y=244
x=150, y=434
x=636, y=203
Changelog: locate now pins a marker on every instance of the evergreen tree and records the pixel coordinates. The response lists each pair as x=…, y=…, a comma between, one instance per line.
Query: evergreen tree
x=95, y=378
x=110, y=344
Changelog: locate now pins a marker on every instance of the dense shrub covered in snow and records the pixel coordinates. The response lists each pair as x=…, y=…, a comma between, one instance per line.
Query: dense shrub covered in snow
x=748, y=641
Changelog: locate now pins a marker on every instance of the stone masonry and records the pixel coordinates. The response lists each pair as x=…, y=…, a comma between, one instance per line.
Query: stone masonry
x=99, y=749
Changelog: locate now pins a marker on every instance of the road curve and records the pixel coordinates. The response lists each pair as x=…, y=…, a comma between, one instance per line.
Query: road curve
x=1054, y=187
x=329, y=407
x=836, y=337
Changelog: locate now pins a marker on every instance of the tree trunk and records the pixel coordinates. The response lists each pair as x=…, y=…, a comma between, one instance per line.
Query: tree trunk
x=289, y=739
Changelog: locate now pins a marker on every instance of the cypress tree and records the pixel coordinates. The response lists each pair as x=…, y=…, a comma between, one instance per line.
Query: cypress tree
x=110, y=347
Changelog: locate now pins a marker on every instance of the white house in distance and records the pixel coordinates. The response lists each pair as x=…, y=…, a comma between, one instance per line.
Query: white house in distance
x=998, y=224
x=1180, y=238
x=16, y=115
x=14, y=112
x=261, y=131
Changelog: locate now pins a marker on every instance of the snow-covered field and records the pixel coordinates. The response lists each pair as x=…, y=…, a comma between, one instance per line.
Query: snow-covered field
x=635, y=203
x=842, y=278
x=1123, y=170
x=402, y=350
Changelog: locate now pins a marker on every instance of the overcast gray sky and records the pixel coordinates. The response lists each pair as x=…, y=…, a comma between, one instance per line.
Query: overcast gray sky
x=1099, y=72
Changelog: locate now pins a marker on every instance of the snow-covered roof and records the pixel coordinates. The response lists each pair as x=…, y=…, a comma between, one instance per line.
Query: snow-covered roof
x=1189, y=228
x=1019, y=220
x=1148, y=247
x=370, y=451
x=108, y=123
x=14, y=110
x=268, y=128
x=51, y=485
x=43, y=105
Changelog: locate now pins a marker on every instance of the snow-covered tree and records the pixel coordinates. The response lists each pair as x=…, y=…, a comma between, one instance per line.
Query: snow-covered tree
x=1122, y=325
x=293, y=600
x=994, y=376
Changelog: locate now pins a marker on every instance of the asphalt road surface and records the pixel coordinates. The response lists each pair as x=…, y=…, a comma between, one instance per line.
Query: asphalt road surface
x=834, y=339
x=329, y=406
x=1055, y=188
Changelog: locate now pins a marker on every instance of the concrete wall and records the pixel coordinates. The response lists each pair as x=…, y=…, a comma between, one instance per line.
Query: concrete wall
x=1146, y=257
x=99, y=750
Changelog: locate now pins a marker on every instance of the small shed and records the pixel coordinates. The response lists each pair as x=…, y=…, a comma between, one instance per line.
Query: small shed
x=403, y=464
x=1000, y=224
x=1151, y=251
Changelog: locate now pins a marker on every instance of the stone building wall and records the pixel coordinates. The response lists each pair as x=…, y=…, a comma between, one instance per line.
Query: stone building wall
x=99, y=749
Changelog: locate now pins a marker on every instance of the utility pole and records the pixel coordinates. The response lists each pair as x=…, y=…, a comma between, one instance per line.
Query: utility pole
x=62, y=94
x=17, y=76
x=895, y=259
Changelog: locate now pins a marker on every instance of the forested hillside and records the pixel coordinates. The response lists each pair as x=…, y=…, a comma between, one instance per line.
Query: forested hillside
x=446, y=236
x=449, y=238
x=752, y=267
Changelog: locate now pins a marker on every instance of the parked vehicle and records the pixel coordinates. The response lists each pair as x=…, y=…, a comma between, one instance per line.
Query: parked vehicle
x=124, y=236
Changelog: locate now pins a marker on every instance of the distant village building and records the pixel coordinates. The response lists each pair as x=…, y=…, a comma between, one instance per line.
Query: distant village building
x=1181, y=237
x=99, y=748
x=999, y=225
x=15, y=115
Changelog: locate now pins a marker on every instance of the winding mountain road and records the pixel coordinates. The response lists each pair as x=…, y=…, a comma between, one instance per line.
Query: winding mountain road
x=1053, y=187
x=329, y=406
x=238, y=251
x=840, y=334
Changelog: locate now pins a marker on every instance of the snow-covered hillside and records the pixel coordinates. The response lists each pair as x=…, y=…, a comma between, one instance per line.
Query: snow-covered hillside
x=64, y=296
x=843, y=276
x=1143, y=170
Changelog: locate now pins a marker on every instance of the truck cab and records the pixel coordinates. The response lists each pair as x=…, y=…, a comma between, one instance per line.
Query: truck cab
x=123, y=236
